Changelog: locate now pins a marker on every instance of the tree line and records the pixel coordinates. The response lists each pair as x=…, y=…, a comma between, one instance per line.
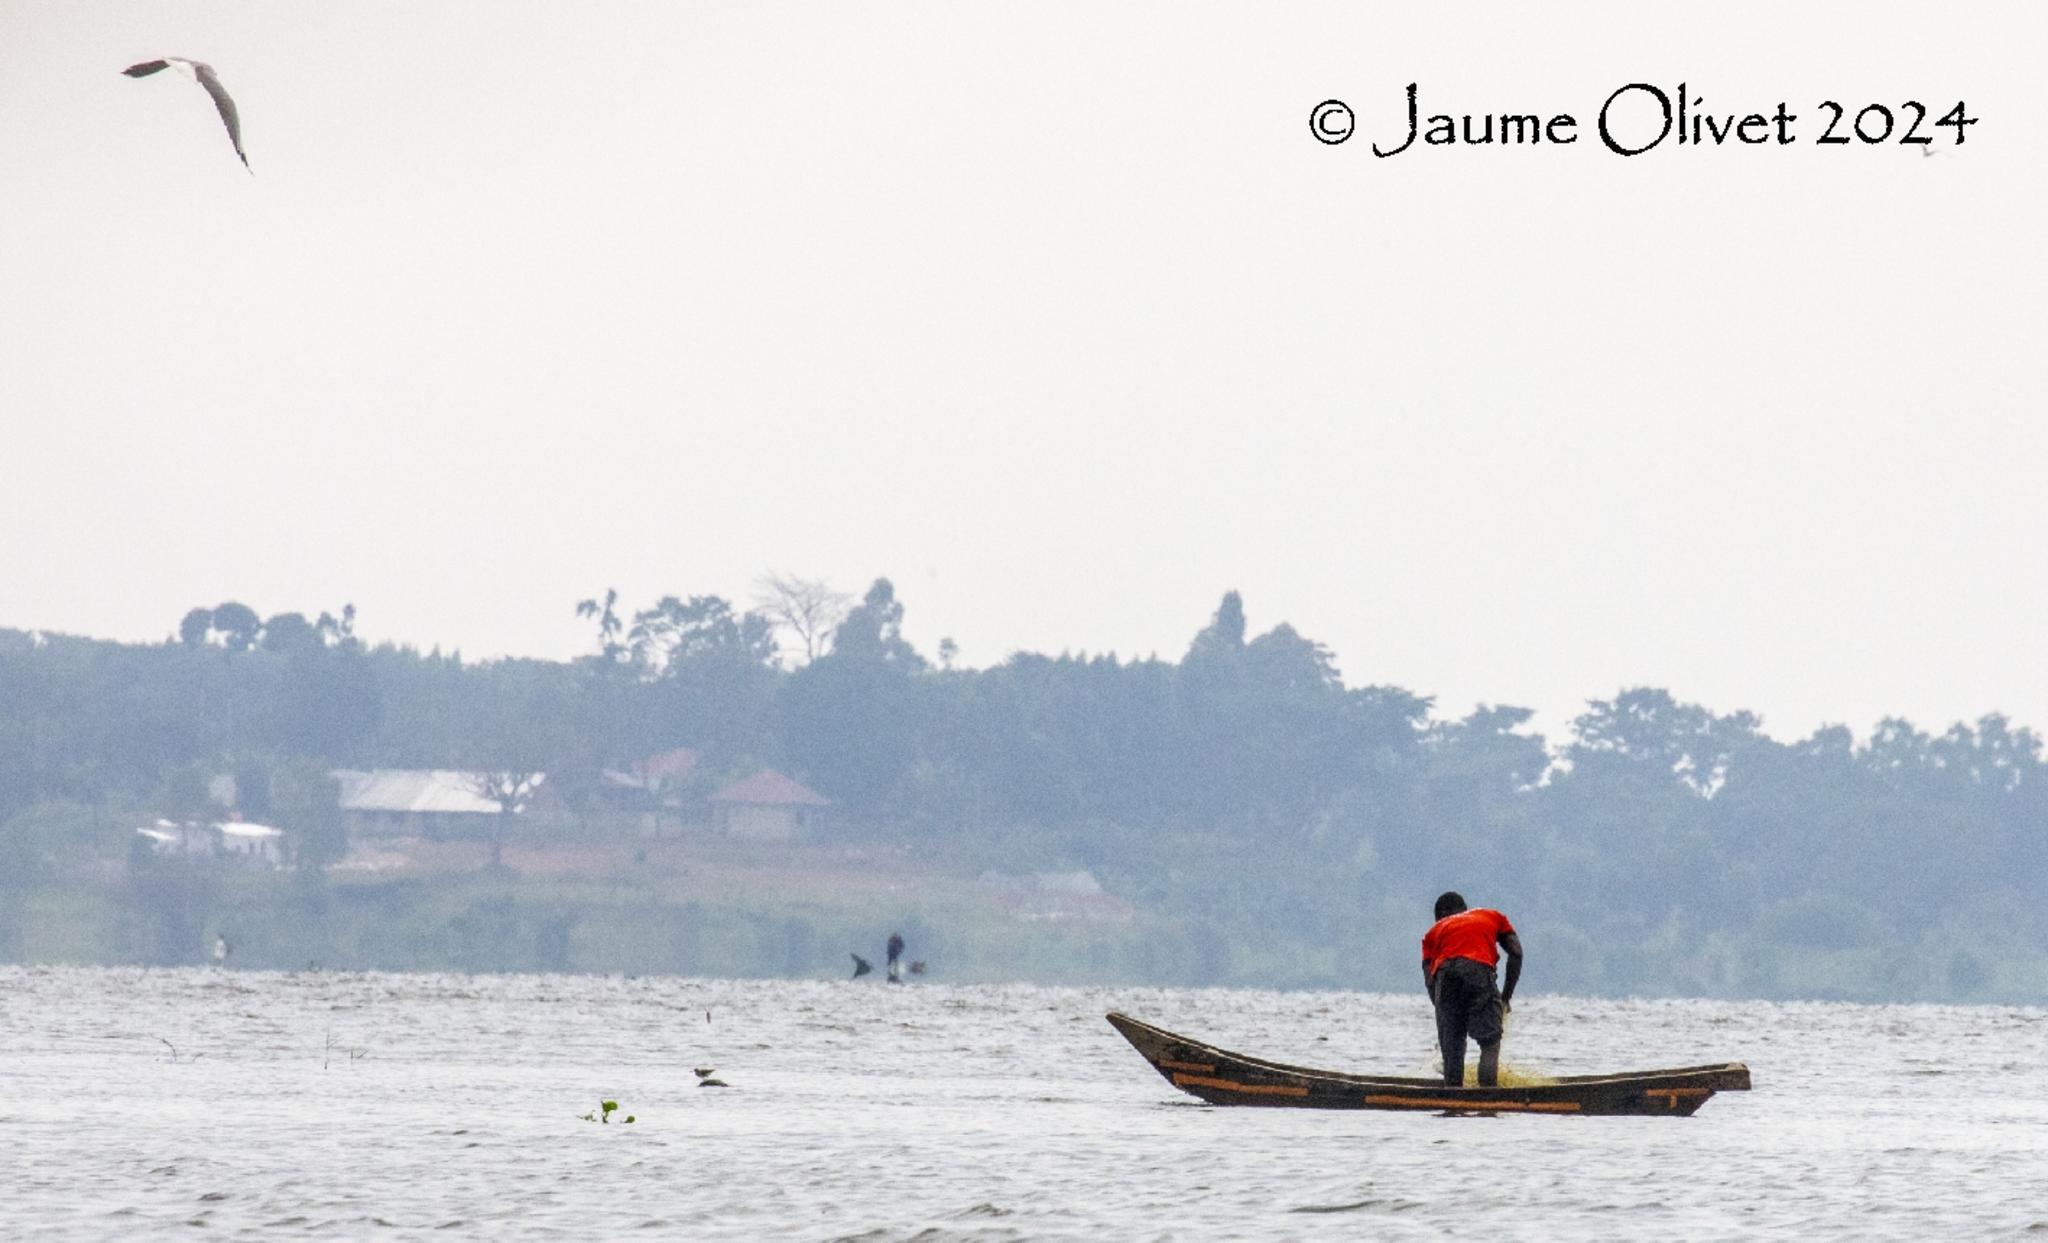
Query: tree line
x=1289, y=824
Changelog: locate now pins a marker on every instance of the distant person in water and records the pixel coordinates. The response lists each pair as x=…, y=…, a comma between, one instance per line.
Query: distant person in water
x=1458, y=958
x=220, y=950
x=895, y=958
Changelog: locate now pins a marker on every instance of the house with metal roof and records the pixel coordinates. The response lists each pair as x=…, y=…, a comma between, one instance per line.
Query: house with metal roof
x=415, y=802
x=768, y=806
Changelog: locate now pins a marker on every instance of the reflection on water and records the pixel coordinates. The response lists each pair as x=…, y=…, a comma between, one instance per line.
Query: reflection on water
x=349, y=1105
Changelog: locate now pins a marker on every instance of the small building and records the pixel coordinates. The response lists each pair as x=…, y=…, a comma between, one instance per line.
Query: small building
x=415, y=802
x=236, y=839
x=173, y=837
x=254, y=842
x=660, y=789
x=767, y=807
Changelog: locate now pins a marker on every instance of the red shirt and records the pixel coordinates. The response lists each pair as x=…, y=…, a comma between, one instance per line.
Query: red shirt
x=1468, y=934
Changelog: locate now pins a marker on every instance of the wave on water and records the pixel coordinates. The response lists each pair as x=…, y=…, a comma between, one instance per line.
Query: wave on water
x=1392, y=1206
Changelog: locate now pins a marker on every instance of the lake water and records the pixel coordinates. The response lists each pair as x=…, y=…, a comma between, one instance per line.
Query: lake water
x=397, y=1106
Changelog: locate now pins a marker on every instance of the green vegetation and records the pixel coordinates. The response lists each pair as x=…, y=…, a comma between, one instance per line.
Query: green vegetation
x=1259, y=820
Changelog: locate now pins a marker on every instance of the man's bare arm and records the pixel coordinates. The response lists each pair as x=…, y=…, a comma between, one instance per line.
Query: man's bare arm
x=1429, y=983
x=1513, y=945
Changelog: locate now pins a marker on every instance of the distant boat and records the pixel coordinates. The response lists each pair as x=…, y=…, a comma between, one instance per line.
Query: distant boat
x=1224, y=1078
x=203, y=74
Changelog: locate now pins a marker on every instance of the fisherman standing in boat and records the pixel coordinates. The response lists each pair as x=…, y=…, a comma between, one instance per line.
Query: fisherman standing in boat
x=1458, y=958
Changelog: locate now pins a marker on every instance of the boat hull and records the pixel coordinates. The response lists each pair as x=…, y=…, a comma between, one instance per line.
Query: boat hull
x=1221, y=1077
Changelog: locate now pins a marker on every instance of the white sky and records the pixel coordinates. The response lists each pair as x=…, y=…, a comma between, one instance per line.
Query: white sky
x=1054, y=314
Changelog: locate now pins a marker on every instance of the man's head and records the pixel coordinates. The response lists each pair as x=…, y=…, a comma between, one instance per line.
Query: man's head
x=1450, y=904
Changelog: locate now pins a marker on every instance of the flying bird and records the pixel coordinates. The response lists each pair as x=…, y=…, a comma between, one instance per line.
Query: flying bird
x=203, y=74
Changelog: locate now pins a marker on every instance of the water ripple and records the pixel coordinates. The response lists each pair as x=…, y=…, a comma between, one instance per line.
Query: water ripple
x=343, y=1105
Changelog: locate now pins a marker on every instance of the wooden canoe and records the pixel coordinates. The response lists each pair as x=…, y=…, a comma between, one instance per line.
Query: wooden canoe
x=1224, y=1078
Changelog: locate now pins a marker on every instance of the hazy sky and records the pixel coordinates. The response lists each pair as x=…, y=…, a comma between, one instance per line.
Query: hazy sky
x=1056, y=315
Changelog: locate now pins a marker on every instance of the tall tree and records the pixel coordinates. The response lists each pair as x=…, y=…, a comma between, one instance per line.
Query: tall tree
x=675, y=632
x=339, y=631
x=609, y=627
x=873, y=631
x=709, y=675
x=511, y=789
x=290, y=634
x=1224, y=635
x=808, y=608
x=237, y=625
x=197, y=626
x=855, y=719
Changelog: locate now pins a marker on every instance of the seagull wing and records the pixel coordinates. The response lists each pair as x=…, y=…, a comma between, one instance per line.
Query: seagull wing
x=146, y=68
x=228, y=116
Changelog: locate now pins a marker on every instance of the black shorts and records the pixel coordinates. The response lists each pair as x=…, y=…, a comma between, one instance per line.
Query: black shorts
x=1467, y=1002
